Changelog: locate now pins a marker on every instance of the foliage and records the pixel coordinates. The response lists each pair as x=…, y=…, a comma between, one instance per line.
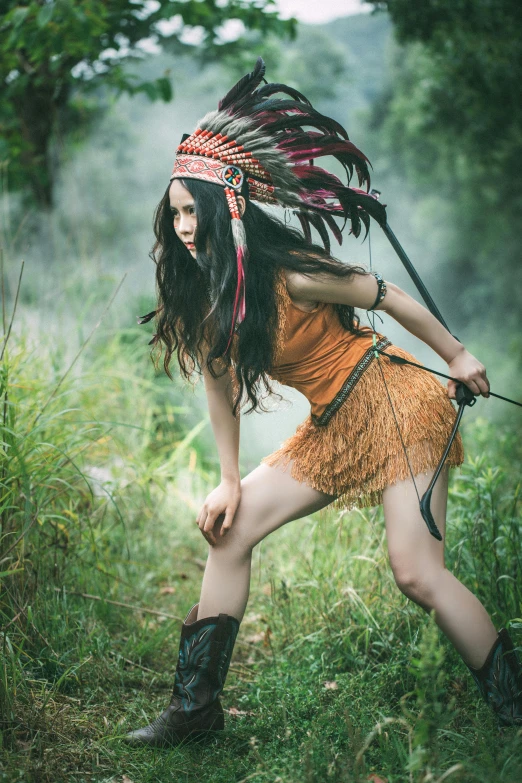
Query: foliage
x=450, y=117
x=468, y=88
x=336, y=675
x=52, y=52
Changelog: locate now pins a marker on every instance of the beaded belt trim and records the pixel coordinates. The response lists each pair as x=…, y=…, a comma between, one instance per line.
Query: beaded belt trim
x=349, y=384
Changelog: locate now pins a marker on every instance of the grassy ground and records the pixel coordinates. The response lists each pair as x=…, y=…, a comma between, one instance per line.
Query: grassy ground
x=335, y=676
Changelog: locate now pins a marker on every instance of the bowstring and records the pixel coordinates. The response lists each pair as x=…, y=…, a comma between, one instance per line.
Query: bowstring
x=371, y=318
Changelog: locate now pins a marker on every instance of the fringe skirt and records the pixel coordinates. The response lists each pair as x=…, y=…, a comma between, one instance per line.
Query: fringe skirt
x=359, y=452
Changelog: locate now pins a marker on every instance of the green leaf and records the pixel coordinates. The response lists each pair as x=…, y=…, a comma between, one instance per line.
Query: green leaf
x=164, y=88
x=45, y=15
x=3, y=574
x=150, y=89
x=18, y=16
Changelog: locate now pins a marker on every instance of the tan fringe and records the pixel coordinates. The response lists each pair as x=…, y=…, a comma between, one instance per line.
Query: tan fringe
x=282, y=300
x=359, y=452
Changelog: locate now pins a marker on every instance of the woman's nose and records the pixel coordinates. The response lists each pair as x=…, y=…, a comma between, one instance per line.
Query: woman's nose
x=186, y=224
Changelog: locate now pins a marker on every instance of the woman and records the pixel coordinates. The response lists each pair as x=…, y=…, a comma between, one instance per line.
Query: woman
x=244, y=298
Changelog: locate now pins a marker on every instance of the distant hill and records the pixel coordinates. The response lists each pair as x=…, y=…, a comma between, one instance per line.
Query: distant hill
x=367, y=38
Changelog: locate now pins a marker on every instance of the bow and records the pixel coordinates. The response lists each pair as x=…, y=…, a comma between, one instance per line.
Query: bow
x=464, y=395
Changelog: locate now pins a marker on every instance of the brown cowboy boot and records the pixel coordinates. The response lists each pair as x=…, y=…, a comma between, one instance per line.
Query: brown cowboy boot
x=194, y=711
x=500, y=681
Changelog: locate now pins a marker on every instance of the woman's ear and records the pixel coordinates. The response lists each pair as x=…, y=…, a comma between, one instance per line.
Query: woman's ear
x=241, y=204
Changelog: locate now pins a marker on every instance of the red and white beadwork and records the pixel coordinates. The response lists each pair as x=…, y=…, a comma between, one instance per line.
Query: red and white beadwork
x=213, y=157
x=232, y=203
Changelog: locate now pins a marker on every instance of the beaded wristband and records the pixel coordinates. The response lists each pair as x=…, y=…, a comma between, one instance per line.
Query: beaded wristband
x=381, y=293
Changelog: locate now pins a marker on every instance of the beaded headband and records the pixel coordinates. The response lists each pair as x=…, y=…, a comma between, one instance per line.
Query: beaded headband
x=198, y=167
x=262, y=138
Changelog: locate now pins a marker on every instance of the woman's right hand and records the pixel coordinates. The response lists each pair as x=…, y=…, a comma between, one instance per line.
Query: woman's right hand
x=223, y=500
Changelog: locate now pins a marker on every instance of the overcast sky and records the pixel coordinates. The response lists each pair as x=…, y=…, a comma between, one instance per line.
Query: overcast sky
x=308, y=11
x=317, y=11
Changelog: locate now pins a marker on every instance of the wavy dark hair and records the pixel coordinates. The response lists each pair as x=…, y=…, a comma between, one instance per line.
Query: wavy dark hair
x=188, y=289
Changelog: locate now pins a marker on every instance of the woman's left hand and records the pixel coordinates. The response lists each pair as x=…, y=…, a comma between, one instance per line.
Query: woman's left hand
x=470, y=371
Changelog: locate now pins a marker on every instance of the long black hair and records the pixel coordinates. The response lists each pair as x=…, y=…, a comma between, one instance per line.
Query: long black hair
x=188, y=289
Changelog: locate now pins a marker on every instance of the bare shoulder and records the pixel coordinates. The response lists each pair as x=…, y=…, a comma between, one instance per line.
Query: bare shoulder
x=295, y=283
x=298, y=287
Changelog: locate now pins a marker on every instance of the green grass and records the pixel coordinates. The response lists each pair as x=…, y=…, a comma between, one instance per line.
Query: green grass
x=335, y=676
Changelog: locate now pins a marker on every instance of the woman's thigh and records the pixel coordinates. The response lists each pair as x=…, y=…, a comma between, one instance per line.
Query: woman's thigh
x=414, y=553
x=270, y=498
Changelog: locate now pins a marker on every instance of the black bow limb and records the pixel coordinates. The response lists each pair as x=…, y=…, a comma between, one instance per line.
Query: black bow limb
x=465, y=398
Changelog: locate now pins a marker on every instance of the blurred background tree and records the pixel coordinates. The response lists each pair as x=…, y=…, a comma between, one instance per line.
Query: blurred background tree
x=450, y=117
x=55, y=52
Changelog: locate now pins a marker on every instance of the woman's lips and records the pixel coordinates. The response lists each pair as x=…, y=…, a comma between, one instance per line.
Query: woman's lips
x=190, y=245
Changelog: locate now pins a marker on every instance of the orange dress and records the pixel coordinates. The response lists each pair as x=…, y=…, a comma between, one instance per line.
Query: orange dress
x=350, y=445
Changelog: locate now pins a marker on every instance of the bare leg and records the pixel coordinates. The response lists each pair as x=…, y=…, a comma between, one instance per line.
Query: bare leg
x=417, y=561
x=270, y=497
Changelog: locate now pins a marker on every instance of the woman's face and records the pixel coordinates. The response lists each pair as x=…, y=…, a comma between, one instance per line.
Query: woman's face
x=183, y=214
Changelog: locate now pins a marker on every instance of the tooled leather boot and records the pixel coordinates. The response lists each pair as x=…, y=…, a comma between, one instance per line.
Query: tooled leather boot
x=195, y=711
x=500, y=681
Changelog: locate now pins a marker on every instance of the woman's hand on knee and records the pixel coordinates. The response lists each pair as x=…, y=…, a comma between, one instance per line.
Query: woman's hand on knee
x=221, y=502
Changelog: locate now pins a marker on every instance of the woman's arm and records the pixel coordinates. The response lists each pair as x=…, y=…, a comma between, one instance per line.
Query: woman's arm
x=225, y=498
x=224, y=424
x=361, y=291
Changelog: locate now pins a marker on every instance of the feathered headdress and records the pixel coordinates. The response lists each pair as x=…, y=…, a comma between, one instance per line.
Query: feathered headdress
x=262, y=138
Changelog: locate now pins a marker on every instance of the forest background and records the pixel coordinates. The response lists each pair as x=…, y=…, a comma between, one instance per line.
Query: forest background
x=105, y=462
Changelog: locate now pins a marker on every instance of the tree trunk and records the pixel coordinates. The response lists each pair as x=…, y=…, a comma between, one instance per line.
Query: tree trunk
x=36, y=113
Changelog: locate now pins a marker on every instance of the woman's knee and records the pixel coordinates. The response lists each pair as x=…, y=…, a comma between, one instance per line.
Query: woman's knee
x=233, y=546
x=239, y=541
x=418, y=584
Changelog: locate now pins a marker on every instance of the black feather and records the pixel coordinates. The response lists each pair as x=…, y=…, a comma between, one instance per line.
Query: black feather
x=144, y=319
x=244, y=86
x=314, y=120
x=277, y=105
x=305, y=225
x=273, y=87
x=332, y=225
x=369, y=205
x=355, y=221
x=317, y=222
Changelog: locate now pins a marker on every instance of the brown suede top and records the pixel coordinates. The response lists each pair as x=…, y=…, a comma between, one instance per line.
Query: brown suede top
x=315, y=354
